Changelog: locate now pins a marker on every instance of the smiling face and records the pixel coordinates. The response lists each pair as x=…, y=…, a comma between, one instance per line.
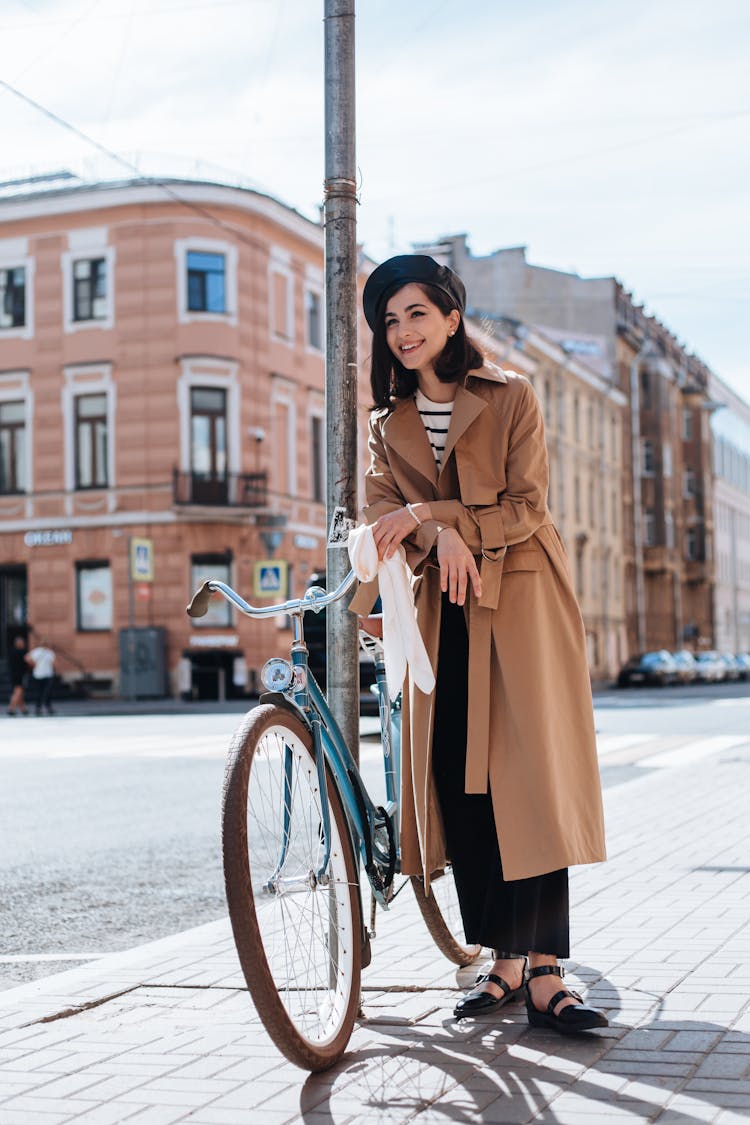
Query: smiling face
x=416, y=330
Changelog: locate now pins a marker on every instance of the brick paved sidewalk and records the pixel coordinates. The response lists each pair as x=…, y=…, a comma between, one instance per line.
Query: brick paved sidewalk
x=165, y=1033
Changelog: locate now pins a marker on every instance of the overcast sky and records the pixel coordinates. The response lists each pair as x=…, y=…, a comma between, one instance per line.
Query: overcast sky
x=607, y=137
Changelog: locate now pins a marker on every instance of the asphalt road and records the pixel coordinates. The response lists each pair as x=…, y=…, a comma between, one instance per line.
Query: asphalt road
x=109, y=825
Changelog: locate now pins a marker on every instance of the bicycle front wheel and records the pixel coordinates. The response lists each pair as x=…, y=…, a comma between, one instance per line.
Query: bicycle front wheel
x=442, y=916
x=298, y=937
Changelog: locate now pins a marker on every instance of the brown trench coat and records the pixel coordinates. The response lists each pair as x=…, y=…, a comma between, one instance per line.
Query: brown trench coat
x=530, y=729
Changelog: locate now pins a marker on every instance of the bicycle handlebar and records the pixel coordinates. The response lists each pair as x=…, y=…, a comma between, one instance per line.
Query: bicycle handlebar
x=315, y=599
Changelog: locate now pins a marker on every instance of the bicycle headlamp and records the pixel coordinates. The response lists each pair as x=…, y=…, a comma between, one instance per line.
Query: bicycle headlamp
x=276, y=674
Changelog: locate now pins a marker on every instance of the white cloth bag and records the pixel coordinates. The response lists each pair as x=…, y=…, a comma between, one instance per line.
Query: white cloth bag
x=402, y=640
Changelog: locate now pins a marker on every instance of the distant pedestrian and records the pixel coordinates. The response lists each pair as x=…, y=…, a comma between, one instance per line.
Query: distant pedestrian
x=18, y=668
x=42, y=660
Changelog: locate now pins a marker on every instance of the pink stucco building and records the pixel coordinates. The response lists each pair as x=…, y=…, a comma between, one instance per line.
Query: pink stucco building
x=161, y=419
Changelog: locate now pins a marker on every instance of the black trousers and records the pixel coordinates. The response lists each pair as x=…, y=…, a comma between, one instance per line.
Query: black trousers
x=44, y=692
x=517, y=916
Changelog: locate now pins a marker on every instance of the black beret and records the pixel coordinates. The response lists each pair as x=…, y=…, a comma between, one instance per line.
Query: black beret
x=402, y=269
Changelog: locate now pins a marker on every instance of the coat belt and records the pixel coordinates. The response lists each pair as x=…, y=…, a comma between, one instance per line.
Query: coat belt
x=480, y=660
x=492, y=537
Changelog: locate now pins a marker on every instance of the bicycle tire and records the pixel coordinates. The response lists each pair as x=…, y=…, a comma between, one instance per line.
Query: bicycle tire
x=299, y=949
x=443, y=919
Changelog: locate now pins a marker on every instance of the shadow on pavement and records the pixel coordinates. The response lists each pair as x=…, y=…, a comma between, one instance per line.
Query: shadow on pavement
x=503, y=1072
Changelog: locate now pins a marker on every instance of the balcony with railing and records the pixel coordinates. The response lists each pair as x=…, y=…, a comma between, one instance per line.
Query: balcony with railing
x=232, y=490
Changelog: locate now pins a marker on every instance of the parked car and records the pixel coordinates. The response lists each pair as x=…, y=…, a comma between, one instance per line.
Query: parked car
x=732, y=666
x=710, y=668
x=743, y=659
x=686, y=670
x=649, y=668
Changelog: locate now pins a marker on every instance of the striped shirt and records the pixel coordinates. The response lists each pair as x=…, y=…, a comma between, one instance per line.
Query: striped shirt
x=436, y=418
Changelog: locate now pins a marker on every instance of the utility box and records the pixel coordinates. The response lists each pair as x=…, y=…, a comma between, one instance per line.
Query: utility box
x=143, y=672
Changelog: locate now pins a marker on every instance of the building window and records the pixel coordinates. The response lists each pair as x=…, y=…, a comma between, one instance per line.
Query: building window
x=91, y=441
x=93, y=596
x=202, y=567
x=208, y=443
x=592, y=504
x=614, y=438
x=318, y=455
x=577, y=499
x=648, y=462
x=649, y=527
x=90, y=289
x=669, y=529
x=13, y=297
x=314, y=320
x=687, y=425
x=645, y=390
x=206, y=282
x=691, y=544
x=576, y=418
x=88, y=276
x=688, y=483
x=282, y=306
x=667, y=460
x=561, y=419
x=12, y=447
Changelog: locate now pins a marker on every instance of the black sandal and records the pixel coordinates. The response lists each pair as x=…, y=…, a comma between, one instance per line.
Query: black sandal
x=478, y=1000
x=572, y=1018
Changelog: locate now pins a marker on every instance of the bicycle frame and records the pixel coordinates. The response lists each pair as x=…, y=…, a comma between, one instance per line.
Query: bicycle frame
x=373, y=830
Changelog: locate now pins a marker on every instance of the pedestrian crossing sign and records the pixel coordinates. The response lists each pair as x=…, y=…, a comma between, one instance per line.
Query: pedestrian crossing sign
x=270, y=579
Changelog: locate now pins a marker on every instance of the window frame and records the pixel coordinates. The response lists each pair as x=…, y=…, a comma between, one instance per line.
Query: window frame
x=88, y=246
x=14, y=255
x=211, y=559
x=204, y=274
x=214, y=374
x=14, y=460
x=280, y=265
x=78, y=381
x=310, y=345
x=84, y=566
x=89, y=422
x=230, y=253
x=318, y=464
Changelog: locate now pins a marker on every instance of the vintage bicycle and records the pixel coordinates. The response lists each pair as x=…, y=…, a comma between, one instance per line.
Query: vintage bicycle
x=297, y=825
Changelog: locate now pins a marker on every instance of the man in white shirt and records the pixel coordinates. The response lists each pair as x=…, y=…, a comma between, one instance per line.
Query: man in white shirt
x=42, y=660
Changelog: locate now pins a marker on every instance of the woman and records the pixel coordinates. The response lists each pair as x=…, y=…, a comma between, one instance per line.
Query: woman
x=499, y=771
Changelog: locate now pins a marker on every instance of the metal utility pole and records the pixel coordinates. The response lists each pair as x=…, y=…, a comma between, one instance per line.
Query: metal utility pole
x=340, y=202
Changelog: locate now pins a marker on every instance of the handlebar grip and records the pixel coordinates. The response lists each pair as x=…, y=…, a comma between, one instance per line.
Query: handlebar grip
x=199, y=605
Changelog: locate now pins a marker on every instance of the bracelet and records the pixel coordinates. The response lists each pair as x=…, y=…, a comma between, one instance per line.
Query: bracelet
x=413, y=514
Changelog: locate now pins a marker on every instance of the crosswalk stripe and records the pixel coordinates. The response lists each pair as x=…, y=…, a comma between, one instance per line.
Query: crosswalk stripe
x=692, y=751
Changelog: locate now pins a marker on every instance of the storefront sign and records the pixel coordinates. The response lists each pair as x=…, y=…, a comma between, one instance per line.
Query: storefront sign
x=56, y=538
x=216, y=640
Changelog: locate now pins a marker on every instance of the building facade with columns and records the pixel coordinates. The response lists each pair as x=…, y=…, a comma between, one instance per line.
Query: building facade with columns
x=730, y=427
x=583, y=418
x=161, y=419
x=666, y=505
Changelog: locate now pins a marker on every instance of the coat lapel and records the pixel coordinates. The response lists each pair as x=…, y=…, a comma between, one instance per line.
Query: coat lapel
x=466, y=408
x=406, y=435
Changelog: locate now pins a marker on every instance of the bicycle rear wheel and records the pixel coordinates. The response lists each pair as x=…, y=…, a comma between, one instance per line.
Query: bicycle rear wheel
x=442, y=917
x=298, y=940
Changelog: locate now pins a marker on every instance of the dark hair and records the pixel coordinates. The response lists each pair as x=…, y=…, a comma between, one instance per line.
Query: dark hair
x=389, y=378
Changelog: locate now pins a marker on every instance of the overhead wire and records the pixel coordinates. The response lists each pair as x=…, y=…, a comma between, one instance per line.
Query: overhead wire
x=157, y=181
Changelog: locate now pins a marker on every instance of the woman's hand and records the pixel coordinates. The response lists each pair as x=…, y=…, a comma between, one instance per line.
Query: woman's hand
x=457, y=566
x=390, y=529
